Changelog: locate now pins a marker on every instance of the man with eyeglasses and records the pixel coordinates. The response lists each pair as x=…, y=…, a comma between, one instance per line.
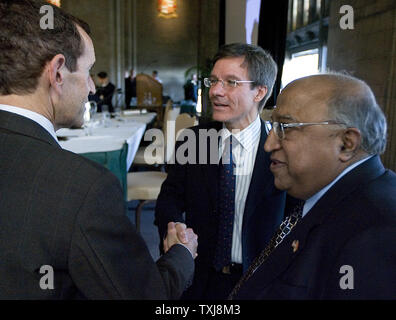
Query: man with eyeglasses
x=231, y=201
x=325, y=138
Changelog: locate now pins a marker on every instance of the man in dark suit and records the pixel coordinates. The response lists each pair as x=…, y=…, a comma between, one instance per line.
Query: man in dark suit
x=130, y=88
x=104, y=92
x=326, y=138
x=64, y=233
x=240, y=83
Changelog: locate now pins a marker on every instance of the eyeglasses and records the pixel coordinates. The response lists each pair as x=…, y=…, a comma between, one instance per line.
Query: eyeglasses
x=280, y=127
x=211, y=82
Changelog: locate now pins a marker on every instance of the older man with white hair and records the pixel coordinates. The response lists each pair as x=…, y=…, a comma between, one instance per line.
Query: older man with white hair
x=325, y=139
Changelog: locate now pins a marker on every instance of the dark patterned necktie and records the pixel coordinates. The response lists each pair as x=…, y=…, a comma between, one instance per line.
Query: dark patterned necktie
x=226, y=208
x=284, y=229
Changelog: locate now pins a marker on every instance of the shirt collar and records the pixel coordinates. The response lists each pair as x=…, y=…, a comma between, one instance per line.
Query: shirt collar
x=246, y=137
x=315, y=198
x=34, y=116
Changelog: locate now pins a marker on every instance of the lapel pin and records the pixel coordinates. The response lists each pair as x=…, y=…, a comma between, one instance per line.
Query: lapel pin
x=295, y=244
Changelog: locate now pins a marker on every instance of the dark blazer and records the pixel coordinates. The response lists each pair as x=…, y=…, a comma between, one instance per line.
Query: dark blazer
x=353, y=224
x=65, y=211
x=192, y=189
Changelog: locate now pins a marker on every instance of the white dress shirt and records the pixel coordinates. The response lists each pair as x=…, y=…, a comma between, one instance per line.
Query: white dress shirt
x=36, y=117
x=308, y=205
x=244, y=149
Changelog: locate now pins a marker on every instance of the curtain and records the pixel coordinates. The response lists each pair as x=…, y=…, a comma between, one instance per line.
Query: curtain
x=272, y=31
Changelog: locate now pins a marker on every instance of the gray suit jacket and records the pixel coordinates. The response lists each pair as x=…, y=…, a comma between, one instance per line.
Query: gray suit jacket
x=65, y=211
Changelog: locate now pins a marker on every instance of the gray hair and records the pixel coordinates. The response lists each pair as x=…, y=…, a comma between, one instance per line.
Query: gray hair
x=353, y=103
x=261, y=67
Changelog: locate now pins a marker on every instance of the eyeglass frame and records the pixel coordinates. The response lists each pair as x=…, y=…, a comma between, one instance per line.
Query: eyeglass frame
x=282, y=126
x=208, y=82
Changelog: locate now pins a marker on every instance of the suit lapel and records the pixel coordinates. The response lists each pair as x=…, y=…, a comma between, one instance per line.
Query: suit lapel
x=17, y=124
x=210, y=171
x=283, y=255
x=259, y=184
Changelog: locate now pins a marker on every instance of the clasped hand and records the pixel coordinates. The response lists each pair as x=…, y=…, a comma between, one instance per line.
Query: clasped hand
x=178, y=233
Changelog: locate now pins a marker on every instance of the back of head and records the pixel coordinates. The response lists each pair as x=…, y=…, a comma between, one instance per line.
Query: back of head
x=102, y=75
x=352, y=102
x=261, y=67
x=26, y=46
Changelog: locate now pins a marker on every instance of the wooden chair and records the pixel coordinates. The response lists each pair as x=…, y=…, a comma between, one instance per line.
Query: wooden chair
x=160, y=157
x=145, y=186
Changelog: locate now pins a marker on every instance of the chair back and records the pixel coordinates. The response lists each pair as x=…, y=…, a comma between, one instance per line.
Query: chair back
x=183, y=121
x=147, y=87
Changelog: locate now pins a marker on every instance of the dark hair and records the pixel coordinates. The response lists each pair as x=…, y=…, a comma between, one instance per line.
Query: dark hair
x=25, y=48
x=262, y=68
x=102, y=75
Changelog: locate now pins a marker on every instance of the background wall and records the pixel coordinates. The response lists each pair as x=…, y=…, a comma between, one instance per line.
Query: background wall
x=242, y=18
x=129, y=33
x=369, y=52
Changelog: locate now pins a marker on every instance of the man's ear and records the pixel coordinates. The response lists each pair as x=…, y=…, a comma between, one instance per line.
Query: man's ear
x=262, y=91
x=351, y=142
x=56, y=71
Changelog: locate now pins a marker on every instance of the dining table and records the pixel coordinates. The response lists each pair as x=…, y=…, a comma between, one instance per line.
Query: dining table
x=110, y=141
x=103, y=134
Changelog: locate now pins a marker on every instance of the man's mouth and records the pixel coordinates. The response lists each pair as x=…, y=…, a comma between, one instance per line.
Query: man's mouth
x=219, y=105
x=276, y=164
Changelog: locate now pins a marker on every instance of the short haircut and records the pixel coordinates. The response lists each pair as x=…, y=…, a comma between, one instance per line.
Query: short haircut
x=102, y=75
x=352, y=102
x=261, y=67
x=25, y=48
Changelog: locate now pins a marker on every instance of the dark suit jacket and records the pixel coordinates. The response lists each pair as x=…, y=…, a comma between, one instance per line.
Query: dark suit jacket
x=107, y=92
x=192, y=188
x=353, y=224
x=63, y=210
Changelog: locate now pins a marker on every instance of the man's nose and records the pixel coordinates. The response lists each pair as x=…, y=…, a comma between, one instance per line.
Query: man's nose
x=272, y=143
x=217, y=89
x=92, y=88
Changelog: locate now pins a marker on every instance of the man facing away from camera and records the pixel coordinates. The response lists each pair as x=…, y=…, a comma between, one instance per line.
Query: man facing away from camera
x=64, y=233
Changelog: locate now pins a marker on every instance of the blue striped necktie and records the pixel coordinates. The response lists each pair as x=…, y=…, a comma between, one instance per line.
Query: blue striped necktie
x=226, y=208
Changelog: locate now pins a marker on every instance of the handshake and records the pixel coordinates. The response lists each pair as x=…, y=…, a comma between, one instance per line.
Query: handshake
x=178, y=233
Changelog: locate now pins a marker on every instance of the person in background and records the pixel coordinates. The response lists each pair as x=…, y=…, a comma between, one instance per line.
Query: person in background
x=327, y=134
x=64, y=232
x=235, y=212
x=155, y=76
x=104, y=92
x=130, y=88
x=191, y=89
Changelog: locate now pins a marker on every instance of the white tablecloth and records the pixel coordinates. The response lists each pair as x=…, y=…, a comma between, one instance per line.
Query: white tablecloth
x=108, y=137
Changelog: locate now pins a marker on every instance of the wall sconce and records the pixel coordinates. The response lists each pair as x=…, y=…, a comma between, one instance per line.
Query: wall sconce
x=55, y=2
x=167, y=8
